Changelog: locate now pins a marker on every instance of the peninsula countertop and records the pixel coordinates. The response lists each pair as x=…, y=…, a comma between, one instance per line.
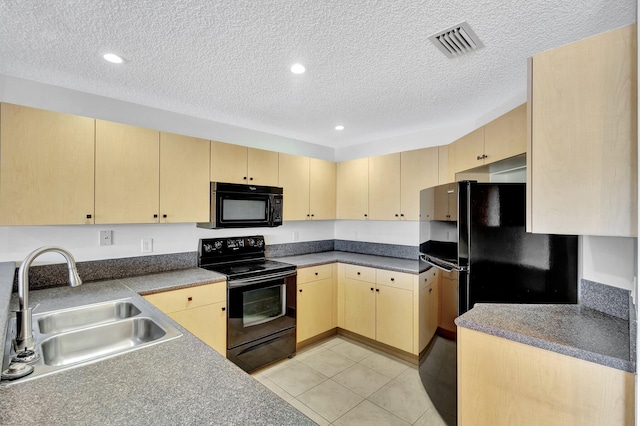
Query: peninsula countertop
x=572, y=330
x=181, y=381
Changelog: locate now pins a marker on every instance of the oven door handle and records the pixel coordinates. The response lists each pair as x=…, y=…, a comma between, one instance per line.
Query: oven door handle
x=261, y=278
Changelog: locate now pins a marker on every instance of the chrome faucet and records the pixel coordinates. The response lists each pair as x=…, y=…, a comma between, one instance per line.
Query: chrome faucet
x=24, y=339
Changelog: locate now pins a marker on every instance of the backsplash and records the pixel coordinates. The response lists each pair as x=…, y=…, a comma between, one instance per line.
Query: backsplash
x=296, y=249
x=377, y=249
x=604, y=298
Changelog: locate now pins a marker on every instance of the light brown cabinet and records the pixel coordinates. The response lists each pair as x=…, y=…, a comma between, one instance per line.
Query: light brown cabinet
x=46, y=167
x=184, y=179
x=353, y=189
x=379, y=305
x=200, y=309
x=582, y=153
x=309, y=186
x=384, y=187
x=127, y=174
x=468, y=151
x=448, y=300
x=428, y=307
x=502, y=382
x=240, y=164
x=418, y=170
x=315, y=302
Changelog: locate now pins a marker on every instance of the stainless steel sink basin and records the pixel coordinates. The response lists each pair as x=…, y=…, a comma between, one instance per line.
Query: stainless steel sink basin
x=103, y=340
x=71, y=338
x=71, y=319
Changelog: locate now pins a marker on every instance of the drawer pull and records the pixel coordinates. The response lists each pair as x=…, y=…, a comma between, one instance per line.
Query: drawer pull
x=430, y=290
x=316, y=273
x=190, y=298
x=371, y=288
x=393, y=279
x=377, y=290
x=300, y=290
x=358, y=273
x=224, y=309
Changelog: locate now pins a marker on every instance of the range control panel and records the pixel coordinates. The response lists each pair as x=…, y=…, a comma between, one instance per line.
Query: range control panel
x=224, y=249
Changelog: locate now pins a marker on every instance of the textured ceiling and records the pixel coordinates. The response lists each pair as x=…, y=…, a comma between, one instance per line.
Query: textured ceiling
x=369, y=64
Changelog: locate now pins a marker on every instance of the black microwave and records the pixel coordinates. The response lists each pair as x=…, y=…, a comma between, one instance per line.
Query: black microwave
x=244, y=206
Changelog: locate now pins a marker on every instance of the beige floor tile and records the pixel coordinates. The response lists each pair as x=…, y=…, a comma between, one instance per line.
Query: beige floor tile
x=332, y=341
x=309, y=412
x=275, y=388
x=330, y=400
x=384, y=365
x=284, y=363
x=360, y=379
x=432, y=418
x=404, y=396
x=351, y=351
x=328, y=363
x=296, y=378
x=368, y=414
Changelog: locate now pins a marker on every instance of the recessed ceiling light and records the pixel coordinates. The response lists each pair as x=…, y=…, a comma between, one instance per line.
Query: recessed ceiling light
x=339, y=127
x=113, y=58
x=297, y=68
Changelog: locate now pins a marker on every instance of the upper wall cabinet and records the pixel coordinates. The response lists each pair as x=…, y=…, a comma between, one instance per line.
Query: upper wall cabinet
x=504, y=137
x=239, y=164
x=184, y=178
x=46, y=167
x=384, y=187
x=127, y=172
x=353, y=189
x=418, y=170
x=322, y=189
x=582, y=152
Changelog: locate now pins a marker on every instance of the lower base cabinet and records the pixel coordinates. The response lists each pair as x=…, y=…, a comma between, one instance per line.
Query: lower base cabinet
x=200, y=309
x=502, y=382
x=428, y=308
x=315, y=302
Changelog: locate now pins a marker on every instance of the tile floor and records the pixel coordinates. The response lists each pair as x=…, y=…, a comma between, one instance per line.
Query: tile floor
x=341, y=382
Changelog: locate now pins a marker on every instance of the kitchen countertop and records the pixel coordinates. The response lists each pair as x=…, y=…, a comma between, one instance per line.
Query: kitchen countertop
x=181, y=381
x=381, y=262
x=572, y=330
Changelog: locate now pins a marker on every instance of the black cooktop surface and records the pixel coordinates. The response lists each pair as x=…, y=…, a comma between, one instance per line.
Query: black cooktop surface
x=247, y=269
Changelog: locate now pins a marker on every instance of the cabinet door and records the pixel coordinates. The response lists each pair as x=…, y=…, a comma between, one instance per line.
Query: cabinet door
x=467, y=150
x=294, y=179
x=208, y=323
x=448, y=300
x=127, y=173
x=228, y=163
x=582, y=158
x=428, y=307
x=353, y=189
x=384, y=187
x=394, y=317
x=418, y=170
x=46, y=167
x=184, y=178
x=314, y=309
x=434, y=308
x=262, y=167
x=322, y=189
x=360, y=307
x=506, y=136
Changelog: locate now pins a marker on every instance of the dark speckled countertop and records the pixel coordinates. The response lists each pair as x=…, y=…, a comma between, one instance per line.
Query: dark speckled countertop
x=181, y=381
x=572, y=330
x=381, y=262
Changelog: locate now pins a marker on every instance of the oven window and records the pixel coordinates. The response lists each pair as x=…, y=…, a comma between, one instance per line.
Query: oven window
x=237, y=209
x=263, y=305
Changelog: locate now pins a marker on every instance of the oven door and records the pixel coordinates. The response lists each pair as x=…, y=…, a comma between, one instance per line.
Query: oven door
x=259, y=307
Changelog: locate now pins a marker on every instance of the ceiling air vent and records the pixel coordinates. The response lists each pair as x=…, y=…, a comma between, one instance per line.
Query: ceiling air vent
x=457, y=40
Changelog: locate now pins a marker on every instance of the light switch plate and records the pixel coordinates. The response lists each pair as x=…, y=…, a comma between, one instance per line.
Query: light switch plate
x=106, y=238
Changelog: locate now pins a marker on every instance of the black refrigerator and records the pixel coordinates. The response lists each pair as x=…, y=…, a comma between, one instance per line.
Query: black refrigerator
x=478, y=230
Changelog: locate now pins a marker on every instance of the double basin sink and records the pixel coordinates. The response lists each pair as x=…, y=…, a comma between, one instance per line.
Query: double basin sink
x=74, y=337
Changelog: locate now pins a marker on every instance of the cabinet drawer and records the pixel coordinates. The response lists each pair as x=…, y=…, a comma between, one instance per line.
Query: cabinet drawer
x=361, y=273
x=394, y=279
x=191, y=297
x=315, y=273
x=427, y=278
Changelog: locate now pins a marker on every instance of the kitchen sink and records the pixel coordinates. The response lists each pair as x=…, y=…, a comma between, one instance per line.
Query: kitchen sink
x=103, y=340
x=72, y=338
x=86, y=316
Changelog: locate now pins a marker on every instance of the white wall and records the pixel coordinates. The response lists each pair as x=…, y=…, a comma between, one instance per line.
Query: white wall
x=609, y=260
x=388, y=232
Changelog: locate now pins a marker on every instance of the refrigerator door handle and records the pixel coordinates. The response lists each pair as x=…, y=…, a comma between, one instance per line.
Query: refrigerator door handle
x=440, y=264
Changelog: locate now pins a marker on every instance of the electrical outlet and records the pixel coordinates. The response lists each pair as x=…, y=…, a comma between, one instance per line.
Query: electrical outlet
x=296, y=235
x=147, y=245
x=106, y=238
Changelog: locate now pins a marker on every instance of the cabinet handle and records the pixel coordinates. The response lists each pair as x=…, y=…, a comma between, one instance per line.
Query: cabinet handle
x=244, y=178
x=307, y=215
x=300, y=290
x=396, y=214
x=430, y=290
x=250, y=178
x=358, y=273
x=393, y=279
x=401, y=214
x=224, y=309
x=316, y=273
x=480, y=157
x=365, y=215
x=164, y=216
x=190, y=298
x=377, y=290
x=88, y=216
x=155, y=216
x=312, y=215
x=371, y=288
x=485, y=156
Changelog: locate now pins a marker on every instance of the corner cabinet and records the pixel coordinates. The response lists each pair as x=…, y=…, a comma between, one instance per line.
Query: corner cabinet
x=240, y=164
x=46, y=167
x=199, y=309
x=583, y=143
x=316, y=301
x=353, y=189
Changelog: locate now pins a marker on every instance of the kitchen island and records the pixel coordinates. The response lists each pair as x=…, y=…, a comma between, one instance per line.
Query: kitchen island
x=181, y=381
